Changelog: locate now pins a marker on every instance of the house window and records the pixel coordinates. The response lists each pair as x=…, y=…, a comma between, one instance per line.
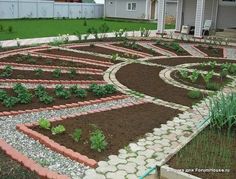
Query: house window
x=131, y=6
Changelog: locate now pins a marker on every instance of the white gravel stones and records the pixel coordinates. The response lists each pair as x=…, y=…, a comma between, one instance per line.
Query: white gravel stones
x=116, y=175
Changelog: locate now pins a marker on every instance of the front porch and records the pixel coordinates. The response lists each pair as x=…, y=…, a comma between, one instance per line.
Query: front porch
x=190, y=12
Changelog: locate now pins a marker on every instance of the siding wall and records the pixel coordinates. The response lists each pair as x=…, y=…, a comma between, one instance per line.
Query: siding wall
x=226, y=17
x=10, y=9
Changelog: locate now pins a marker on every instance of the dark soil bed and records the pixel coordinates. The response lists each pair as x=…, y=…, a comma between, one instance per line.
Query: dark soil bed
x=101, y=50
x=139, y=49
x=211, y=149
x=145, y=79
x=21, y=74
x=10, y=169
x=183, y=53
x=121, y=127
x=216, y=69
x=178, y=61
x=35, y=104
x=74, y=54
x=200, y=83
x=211, y=52
x=46, y=61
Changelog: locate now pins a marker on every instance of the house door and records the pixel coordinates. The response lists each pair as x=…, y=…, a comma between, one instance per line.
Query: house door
x=153, y=9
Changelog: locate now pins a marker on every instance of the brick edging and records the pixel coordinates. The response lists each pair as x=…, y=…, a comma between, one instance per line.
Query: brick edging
x=29, y=163
x=161, y=49
x=25, y=128
x=82, y=82
x=71, y=105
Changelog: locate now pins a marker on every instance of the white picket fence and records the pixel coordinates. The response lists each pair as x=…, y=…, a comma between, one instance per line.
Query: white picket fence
x=13, y=9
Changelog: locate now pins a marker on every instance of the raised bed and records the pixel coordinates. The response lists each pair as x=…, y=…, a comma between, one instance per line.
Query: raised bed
x=211, y=51
x=168, y=46
x=145, y=79
x=211, y=149
x=121, y=127
x=33, y=60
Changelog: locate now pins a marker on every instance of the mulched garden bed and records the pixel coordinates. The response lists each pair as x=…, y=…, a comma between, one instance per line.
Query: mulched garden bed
x=145, y=79
x=101, y=50
x=179, y=61
x=200, y=83
x=211, y=51
x=139, y=48
x=36, y=104
x=21, y=74
x=74, y=54
x=217, y=69
x=182, y=53
x=10, y=169
x=22, y=59
x=211, y=149
x=120, y=126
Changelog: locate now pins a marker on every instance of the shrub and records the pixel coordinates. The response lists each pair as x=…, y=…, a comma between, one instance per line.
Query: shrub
x=19, y=88
x=61, y=92
x=100, y=91
x=46, y=99
x=3, y=95
x=110, y=89
x=40, y=91
x=92, y=87
x=58, y=129
x=85, y=22
x=213, y=86
x=44, y=123
x=223, y=111
x=232, y=69
x=7, y=71
x=24, y=97
x=72, y=73
x=194, y=94
x=56, y=73
x=77, y=135
x=10, y=29
x=73, y=89
x=38, y=72
x=10, y=101
x=81, y=93
x=98, y=141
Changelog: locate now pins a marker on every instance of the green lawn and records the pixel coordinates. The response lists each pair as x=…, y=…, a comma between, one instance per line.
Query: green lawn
x=27, y=28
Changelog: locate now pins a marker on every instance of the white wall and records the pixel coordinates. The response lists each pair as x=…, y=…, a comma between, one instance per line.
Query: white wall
x=10, y=9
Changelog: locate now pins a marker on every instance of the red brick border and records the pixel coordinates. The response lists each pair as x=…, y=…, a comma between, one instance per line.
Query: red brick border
x=29, y=163
x=72, y=105
x=25, y=128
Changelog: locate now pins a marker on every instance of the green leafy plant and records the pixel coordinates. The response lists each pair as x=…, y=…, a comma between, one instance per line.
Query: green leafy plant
x=213, y=86
x=73, y=89
x=110, y=89
x=184, y=73
x=98, y=140
x=194, y=94
x=7, y=71
x=223, y=74
x=114, y=57
x=38, y=72
x=61, y=92
x=223, y=111
x=58, y=130
x=56, y=73
x=3, y=95
x=213, y=64
x=194, y=76
x=10, y=29
x=24, y=97
x=76, y=136
x=72, y=73
x=44, y=123
x=46, y=99
x=10, y=101
x=81, y=93
x=40, y=91
x=207, y=77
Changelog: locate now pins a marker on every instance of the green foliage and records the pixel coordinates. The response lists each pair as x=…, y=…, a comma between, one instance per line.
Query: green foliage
x=38, y=72
x=223, y=111
x=110, y=89
x=81, y=93
x=73, y=89
x=184, y=73
x=10, y=101
x=10, y=29
x=77, y=135
x=7, y=71
x=98, y=141
x=72, y=73
x=3, y=95
x=58, y=130
x=194, y=94
x=212, y=64
x=213, y=86
x=224, y=72
x=232, y=69
x=114, y=57
x=44, y=123
x=56, y=73
x=85, y=22
x=40, y=91
x=19, y=88
x=104, y=28
x=46, y=99
x=23, y=94
x=207, y=77
x=61, y=92
x=194, y=76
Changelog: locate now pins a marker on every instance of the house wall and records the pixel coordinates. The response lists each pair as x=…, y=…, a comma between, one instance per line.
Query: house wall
x=189, y=11
x=171, y=9
x=118, y=9
x=226, y=17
